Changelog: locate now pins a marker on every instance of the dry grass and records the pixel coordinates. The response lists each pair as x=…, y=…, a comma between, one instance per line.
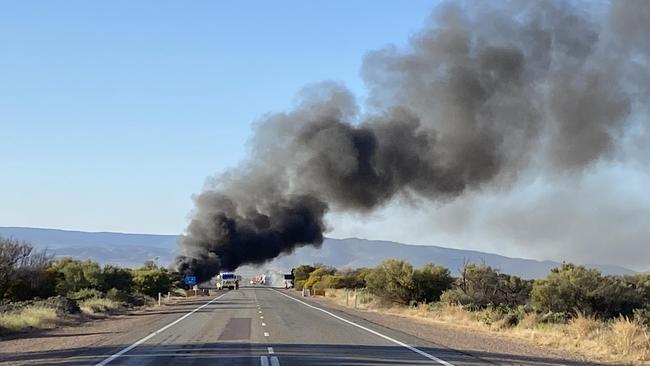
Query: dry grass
x=31, y=317
x=99, y=306
x=621, y=341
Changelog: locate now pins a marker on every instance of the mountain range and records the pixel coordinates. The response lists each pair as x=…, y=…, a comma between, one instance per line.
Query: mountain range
x=133, y=249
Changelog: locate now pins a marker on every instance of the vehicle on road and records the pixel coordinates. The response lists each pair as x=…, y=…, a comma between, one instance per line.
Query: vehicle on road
x=228, y=280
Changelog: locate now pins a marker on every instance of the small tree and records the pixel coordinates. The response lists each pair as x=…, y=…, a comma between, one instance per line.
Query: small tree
x=430, y=281
x=317, y=276
x=116, y=278
x=570, y=288
x=151, y=281
x=480, y=285
x=301, y=274
x=392, y=280
x=23, y=271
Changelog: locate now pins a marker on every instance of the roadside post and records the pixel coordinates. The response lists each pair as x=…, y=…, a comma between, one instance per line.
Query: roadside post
x=355, y=298
x=159, y=299
x=347, y=297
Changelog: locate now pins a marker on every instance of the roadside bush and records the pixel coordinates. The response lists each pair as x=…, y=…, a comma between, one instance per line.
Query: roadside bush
x=455, y=296
x=299, y=285
x=392, y=281
x=642, y=316
x=116, y=278
x=74, y=275
x=24, y=271
x=138, y=299
x=30, y=317
x=118, y=295
x=151, y=281
x=571, y=289
x=61, y=305
x=97, y=306
x=317, y=277
x=85, y=294
x=480, y=286
x=354, y=278
x=429, y=282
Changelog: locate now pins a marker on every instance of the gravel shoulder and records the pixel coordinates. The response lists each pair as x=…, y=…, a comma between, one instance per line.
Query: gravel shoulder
x=477, y=343
x=79, y=337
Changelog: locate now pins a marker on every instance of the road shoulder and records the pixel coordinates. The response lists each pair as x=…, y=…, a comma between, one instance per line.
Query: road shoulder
x=112, y=331
x=475, y=343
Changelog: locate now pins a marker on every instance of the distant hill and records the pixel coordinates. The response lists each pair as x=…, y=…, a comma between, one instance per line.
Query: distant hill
x=134, y=249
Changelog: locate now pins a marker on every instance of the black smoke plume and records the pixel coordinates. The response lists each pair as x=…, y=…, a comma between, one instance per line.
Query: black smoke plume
x=483, y=92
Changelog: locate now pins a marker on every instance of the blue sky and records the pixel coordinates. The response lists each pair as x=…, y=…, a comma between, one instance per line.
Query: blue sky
x=112, y=114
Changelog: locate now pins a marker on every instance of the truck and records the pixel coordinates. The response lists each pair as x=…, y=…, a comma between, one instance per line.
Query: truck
x=228, y=280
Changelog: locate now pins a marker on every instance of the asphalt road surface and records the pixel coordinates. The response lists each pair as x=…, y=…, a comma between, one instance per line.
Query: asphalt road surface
x=262, y=326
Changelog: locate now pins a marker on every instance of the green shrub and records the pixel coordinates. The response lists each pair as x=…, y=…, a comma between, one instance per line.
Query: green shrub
x=429, y=282
x=318, y=275
x=62, y=305
x=39, y=317
x=116, y=278
x=642, y=316
x=85, y=294
x=481, y=286
x=138, y=299
x=97, y=306
x=455, y=296
x=118, y=295
x=392, y=281
x=151, y=281
x=299, y=285
x=302, y=272
x=74, y=275
x=571, y=289
x=24, y=271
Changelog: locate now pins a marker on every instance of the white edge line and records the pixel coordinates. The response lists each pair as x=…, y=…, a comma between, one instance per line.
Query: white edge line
x=418, y=351
x=127, y=349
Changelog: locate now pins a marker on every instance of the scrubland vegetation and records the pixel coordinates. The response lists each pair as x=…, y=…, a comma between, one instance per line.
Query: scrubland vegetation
x=575, y=309
x=38, y=291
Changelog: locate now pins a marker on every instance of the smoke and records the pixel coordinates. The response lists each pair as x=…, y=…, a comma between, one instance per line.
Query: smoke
x=484, y=97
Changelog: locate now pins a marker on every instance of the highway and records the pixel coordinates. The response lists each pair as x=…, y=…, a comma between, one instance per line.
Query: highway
x=260, y=326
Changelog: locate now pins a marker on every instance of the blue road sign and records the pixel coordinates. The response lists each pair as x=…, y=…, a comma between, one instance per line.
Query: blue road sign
x=190, y=280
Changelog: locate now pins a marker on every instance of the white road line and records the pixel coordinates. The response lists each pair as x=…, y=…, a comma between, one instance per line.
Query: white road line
x=261, y=317
x=275, y=361
x=418, y=351
x=260, y=311
x=270, y=349
x=264, y=361
x=264, y=324
x=266, y=334
x=127, y=349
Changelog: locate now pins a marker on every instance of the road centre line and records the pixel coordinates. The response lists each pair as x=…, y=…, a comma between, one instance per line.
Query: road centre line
x=266, y=334
x=139, y=342
x=418, y=351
